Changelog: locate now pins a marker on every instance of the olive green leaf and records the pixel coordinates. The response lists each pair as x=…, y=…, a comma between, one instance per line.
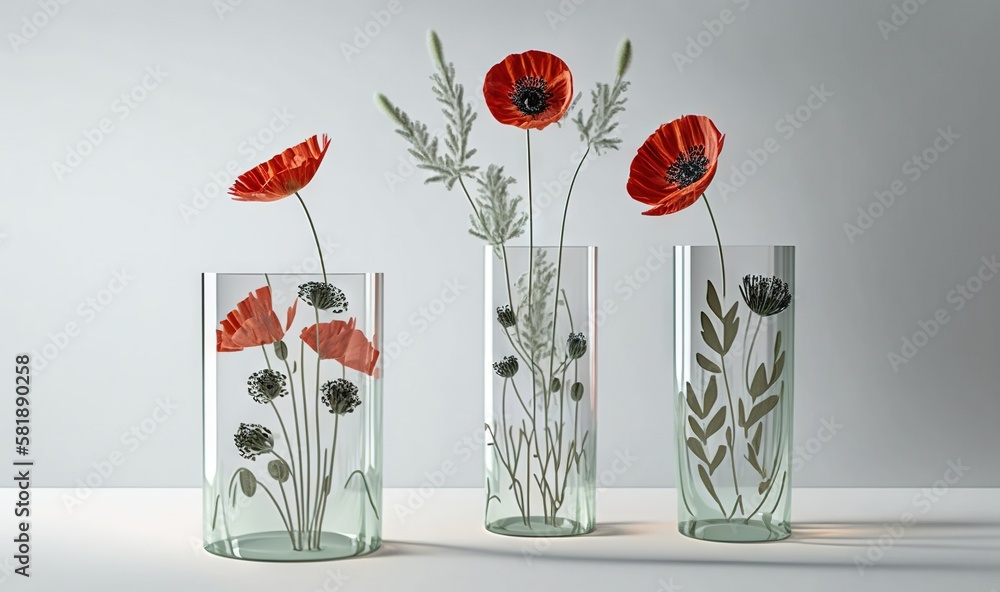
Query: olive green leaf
x=720, y=455
x=280, y=350
x=752, y=459
x=326, y=485
x=761, y=409
x=713, y=300
x=779, y=365
x=717, y=422
x=696, y=429
x=692, y=402
x=248, y=483
x=743, y=415
x=756, y=438
x=759, y=384
x=729, y=437
x=697, y=449
x=707, y=364
x=763, y=486
x=708, y=484
x=709, y=336
x=777, y=344
x=731, y=328
x=711, y=396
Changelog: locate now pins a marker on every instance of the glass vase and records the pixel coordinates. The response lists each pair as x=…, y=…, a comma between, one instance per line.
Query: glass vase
x=293, y=415
x=734, y=363
x=541, y=390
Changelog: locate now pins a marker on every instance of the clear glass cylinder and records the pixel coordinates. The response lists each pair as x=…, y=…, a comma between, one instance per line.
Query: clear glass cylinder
x=293, y=415
x=541, y=390
x=734, y=364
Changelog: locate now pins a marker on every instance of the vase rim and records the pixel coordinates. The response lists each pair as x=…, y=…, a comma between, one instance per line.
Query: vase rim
x=740, y=246
x=285, y=273
x=553, y=247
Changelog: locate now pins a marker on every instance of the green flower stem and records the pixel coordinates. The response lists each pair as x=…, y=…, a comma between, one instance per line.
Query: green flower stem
x=333, y=455
x=367, y=489
x=288, y=510
x=558, y=290
x=746, y=371
x=307, y=485
x=722, y=259
x=298, y=435
x=312, y=226
x=319, y=467
x=732, y=447
x=769, y=487
x=288, y=526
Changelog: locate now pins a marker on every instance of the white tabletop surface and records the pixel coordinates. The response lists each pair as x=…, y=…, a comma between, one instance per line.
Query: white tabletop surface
x=149, y=540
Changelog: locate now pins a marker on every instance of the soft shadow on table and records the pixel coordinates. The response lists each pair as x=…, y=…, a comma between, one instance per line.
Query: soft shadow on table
x=959, y=546
x=941, y=535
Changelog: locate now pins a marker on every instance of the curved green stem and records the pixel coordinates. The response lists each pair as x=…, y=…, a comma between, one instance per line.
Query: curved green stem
x=367, y=489
x=722, y=259
x=312, y=226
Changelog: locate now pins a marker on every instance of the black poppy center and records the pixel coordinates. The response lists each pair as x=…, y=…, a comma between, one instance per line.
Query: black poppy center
x=530, y=95
x=689, y=167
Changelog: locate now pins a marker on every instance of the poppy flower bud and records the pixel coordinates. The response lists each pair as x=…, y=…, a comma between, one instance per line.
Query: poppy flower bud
x=556, y=385
x=278, y=470
x=576, y=391
x=280, y=350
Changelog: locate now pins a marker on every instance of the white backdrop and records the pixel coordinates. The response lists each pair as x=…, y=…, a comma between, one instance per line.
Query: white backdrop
x=164, y=103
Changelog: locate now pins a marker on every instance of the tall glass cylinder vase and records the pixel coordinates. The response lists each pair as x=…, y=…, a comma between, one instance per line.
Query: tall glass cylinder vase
x=541, y=390
x=293, y=415
x=734, y=345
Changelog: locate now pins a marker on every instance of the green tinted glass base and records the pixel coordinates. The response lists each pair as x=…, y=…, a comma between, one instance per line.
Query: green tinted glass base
x=276, y=546
x=537, y=526
x=723, y=531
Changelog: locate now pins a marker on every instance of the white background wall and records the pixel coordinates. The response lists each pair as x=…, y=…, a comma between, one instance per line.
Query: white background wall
x=65, y=238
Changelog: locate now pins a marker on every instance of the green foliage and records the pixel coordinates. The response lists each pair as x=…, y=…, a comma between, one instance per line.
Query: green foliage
x=498, y=219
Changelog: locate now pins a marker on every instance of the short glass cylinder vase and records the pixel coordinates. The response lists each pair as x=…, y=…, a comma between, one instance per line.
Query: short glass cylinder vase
x=541, y=390
x=734, y=364
x=293, y=415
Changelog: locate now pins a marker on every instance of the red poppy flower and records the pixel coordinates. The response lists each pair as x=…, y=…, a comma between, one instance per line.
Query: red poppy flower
x=341, y=341
x=675, y=165
x=252, y=324
x=529, y=90
x=284, y=174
